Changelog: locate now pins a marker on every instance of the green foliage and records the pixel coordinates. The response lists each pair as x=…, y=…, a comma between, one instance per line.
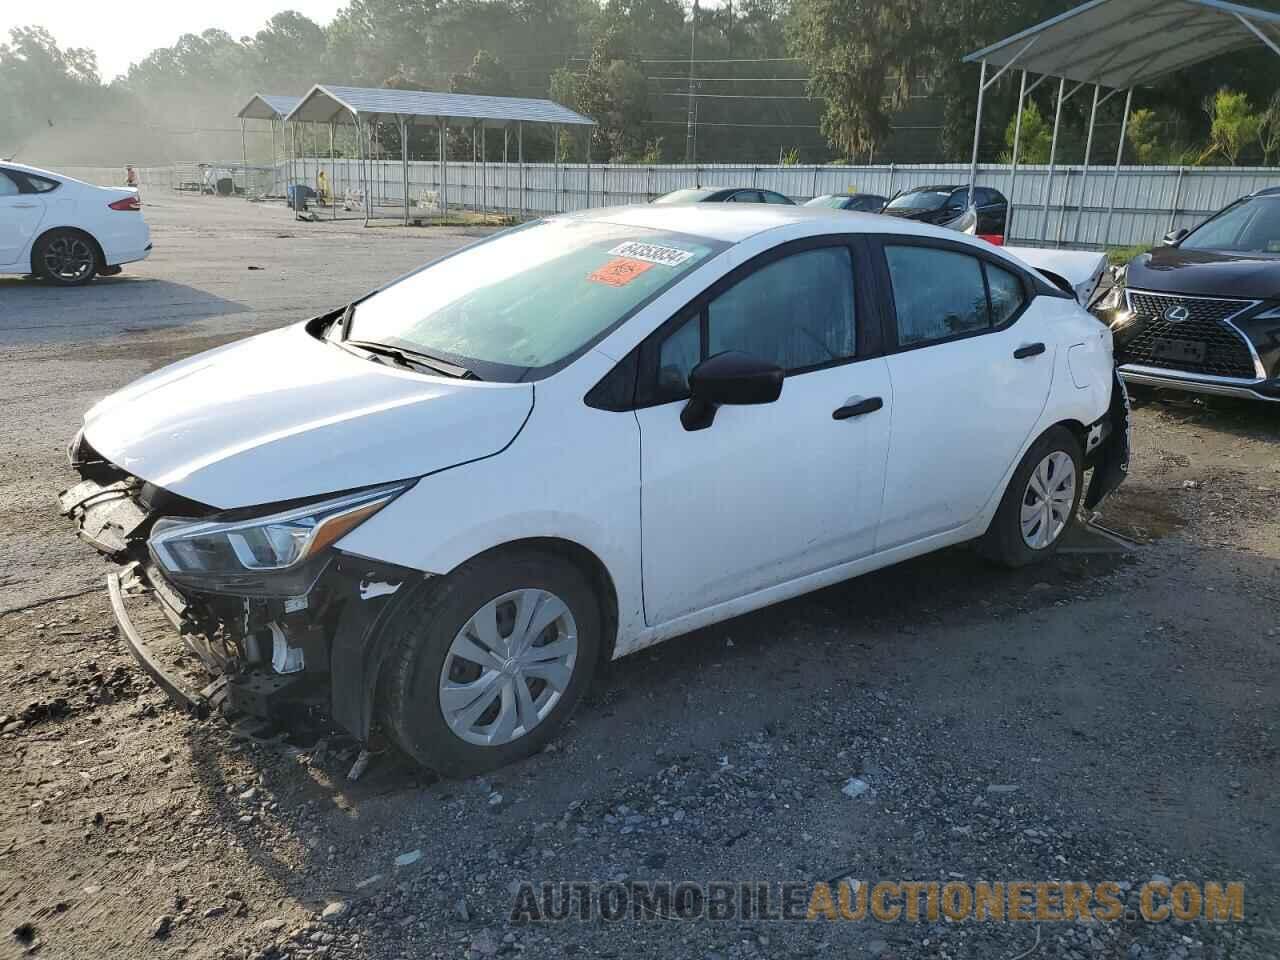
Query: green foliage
x=1036, y=138
x=791, y=158
x=850, y=48
x=613, y=92
x=1269, y=131
x=486, y=76
x=1233, y=125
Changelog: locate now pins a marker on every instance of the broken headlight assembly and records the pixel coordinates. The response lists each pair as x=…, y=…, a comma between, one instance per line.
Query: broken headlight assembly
x=277, y=555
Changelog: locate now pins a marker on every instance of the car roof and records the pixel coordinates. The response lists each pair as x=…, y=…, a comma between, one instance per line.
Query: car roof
x=733, y=223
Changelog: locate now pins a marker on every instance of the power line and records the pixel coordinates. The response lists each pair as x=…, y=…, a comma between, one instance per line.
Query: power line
x=736, y=79
x=733, y=96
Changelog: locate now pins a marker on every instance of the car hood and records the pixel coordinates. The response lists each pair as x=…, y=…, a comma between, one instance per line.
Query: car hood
x=1206, y=273
x=283, y=415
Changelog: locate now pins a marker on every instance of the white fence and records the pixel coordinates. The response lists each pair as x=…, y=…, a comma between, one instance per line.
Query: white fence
x=1149, y=201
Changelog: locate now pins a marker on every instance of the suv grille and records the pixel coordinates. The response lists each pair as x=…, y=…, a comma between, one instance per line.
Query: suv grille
x=1226, y=352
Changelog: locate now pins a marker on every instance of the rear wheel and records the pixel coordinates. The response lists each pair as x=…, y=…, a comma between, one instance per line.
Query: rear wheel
x=490, y=661
x=66, y=257
x=1040, y=503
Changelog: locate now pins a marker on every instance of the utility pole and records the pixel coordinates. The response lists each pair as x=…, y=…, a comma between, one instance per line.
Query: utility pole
x=690, y=148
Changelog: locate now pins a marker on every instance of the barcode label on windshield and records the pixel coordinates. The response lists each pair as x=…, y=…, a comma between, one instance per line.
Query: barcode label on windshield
x=652, y=253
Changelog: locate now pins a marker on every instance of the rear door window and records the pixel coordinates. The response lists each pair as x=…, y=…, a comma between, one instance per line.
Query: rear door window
x=938, y=294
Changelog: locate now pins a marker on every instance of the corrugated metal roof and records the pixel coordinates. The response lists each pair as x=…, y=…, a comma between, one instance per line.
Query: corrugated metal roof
x=325, y=103
x=264, y=106
x=1126, y=43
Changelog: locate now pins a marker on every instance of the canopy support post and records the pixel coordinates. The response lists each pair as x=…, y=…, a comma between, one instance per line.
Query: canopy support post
x=506, y=172
x=1013, y=166
x=1115, y=177
x=588, y=168
x=404, y=165
x=444, y=168
x=244, y=160
x=293, y=164
x=520, y=150
x=1084, y=172
x=1053, y=156
x=274, y=184
x=977, y=132
x=484, y=170
x=333, y=178
x=555, y=154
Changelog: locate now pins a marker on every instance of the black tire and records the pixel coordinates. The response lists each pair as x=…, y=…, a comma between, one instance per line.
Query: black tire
x=422, y=631
x=67, y=257
x=1003, y=542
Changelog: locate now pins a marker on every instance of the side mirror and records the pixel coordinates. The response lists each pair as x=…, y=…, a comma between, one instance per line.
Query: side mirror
x=732, y=377
x=1174, y=237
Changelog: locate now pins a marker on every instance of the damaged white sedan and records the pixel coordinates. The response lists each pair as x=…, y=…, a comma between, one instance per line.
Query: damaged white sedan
x=437, y=510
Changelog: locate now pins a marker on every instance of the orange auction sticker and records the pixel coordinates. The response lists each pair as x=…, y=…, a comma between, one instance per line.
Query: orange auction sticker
x=620, y=271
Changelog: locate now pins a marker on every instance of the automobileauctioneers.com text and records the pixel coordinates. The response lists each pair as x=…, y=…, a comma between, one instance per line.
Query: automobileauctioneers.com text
x=886, y=901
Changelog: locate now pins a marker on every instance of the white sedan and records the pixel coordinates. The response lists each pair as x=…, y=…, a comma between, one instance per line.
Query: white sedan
x=65, y=230
x=439, y=509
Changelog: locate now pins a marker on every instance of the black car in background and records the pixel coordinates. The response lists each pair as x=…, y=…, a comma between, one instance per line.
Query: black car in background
x=1202, y=312
x=941, y=204
x=859, y=202
x=724, y=195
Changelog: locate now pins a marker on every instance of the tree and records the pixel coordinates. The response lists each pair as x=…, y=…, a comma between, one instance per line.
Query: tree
x=614, y=93
x=45, y=88
x=1269, y=131
x=486, y=76
x=288, y=49
x=850, y=48
x=1036, y=140
x=1233, y=125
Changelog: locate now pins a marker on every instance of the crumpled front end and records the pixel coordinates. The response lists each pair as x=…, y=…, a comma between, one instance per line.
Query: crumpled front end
x=271, y=647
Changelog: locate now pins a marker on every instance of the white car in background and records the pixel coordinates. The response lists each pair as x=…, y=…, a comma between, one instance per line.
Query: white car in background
x=439, y=508
x=65, y=230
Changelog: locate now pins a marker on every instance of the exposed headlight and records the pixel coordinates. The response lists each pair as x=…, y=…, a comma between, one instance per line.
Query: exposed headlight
x=246, y=550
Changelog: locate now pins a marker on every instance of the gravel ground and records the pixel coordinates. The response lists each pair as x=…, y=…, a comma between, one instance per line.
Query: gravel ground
x=1103, y=717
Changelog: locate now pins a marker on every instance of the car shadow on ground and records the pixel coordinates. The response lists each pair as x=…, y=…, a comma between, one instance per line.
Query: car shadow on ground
x=685, y=696
x=34, y=312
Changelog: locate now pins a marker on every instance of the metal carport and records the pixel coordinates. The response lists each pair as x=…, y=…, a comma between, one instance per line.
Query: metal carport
x=262, y=106
x=364, y=106
x=1113, y=46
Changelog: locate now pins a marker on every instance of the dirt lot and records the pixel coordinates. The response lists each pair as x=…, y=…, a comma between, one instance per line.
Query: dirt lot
x=1107, y=717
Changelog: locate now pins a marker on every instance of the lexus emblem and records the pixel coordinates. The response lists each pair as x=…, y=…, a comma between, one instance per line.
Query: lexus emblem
x=1177, y=314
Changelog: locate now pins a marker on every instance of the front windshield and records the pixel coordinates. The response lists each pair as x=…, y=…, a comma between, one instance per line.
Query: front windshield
x=919, y=200
x=1249, y=226
x=528, y=298
x=835, y=202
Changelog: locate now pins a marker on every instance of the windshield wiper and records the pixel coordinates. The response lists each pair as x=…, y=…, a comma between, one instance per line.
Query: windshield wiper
x=413, y=359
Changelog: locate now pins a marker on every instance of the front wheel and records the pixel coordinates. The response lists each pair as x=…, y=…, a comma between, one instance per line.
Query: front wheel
x=489, y=662
x=1040, y=503
x=66, y=257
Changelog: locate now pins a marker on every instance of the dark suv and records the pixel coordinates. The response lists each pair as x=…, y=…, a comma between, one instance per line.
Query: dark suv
x=1202, y=312
x=941, y=204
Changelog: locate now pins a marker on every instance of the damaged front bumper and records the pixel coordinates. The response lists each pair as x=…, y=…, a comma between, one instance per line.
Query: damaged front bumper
x=270, y=658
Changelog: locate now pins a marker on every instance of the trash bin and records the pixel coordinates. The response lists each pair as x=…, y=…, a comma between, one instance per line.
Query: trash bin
x=298, y=195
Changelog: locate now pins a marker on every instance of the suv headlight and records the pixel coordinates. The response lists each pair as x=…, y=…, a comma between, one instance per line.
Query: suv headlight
x=222, y=555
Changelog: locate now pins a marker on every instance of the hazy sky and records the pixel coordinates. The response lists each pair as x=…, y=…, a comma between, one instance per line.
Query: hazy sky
x=124, y=32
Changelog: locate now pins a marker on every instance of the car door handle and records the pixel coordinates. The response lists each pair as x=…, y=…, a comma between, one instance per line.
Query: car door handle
x=857, y=407
x=1028, y=350
x=23, y=206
